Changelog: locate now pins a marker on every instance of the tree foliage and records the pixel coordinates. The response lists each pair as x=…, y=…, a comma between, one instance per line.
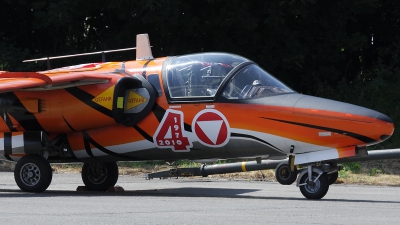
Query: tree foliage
x=345, y=50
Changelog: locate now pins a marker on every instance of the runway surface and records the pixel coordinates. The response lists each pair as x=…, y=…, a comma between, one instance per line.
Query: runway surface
x=195, y=201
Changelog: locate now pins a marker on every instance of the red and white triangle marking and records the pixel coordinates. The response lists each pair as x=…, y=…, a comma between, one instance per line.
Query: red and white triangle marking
x=211, y=129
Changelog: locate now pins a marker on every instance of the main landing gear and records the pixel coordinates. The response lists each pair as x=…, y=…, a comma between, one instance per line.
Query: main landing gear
x=33, y=173
x=99, y=176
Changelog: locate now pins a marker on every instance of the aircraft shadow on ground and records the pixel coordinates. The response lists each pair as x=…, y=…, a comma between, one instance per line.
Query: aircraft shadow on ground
x=188, y=192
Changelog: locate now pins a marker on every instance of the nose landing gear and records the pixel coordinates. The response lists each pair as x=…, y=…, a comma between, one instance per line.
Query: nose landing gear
x=315, y=186
x=314, y=181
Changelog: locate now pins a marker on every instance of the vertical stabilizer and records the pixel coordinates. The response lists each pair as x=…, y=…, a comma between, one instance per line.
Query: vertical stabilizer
x=143, y=49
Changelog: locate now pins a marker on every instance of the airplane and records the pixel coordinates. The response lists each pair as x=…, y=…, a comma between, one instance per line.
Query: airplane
x=200, y=106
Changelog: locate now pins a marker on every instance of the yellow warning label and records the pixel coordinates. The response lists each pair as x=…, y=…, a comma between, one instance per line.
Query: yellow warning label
x=134, y=100
x=105, y=98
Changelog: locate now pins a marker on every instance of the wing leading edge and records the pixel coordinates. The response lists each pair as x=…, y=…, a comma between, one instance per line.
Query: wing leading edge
x=34, y=81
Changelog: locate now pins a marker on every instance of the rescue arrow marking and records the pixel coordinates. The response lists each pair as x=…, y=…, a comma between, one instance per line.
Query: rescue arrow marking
x=105, y=98
x=134, y=100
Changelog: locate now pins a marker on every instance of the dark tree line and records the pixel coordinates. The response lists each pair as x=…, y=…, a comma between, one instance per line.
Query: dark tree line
x=344, y=50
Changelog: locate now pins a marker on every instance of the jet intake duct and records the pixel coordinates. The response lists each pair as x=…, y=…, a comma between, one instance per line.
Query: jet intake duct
x=134, y=97
x=13, y=143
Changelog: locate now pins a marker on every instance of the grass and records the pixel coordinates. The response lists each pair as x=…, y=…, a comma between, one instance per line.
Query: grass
x=381, y=172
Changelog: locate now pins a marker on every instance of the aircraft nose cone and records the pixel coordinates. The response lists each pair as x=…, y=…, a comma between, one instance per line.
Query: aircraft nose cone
x=383, y=117
x=381, y=129
x=389, y=125
x=336, y=106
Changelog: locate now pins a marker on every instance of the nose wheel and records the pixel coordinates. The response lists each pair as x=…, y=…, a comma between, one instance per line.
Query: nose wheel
x=315, y=186
x=33, y=173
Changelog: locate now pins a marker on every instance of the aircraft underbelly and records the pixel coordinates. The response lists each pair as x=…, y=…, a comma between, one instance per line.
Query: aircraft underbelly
x=146, y=150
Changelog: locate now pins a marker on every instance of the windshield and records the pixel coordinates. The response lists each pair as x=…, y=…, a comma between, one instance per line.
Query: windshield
x=254, y=82
x=199, y=75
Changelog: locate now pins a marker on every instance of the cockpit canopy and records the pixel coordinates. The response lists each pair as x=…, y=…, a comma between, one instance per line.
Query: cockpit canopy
x=253, y=82
x=202, y=75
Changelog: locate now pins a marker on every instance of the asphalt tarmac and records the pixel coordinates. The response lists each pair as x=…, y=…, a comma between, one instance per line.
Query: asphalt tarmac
x=195, y=201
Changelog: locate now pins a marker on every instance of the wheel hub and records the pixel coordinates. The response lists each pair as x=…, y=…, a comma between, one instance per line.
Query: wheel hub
x=30, y=174
x=285, y=173
x=312, y=186
x=97, y=173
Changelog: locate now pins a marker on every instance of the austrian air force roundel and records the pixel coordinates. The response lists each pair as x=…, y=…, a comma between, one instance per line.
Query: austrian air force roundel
x=211, y=128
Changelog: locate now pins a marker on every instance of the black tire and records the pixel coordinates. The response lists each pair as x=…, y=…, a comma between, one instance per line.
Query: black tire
x=33, y=173
x=99, y=176
x=332, y=177
x=317, y=190
x=283, y=174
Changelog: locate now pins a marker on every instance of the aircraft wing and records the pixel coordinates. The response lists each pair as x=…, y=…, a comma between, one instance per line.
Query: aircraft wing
x=19, y=81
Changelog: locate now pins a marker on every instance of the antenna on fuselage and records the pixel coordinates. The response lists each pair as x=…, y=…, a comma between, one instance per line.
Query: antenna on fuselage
x=143, y=48
x=143, y=51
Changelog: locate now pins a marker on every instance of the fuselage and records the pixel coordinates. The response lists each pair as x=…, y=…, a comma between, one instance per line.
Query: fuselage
x=189, y=107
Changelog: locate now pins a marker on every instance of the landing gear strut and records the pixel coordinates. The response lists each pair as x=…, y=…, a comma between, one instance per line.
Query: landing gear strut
x=33, y=173
x=99, y=176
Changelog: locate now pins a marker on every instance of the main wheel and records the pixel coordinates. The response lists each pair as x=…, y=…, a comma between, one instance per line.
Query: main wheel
x=332, y=177
x=33, y=173
x=283, y=174
x=314, y=190
x=99, y=176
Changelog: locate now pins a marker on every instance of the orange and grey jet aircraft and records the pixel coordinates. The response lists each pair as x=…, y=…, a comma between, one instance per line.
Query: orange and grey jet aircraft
x=195, y=107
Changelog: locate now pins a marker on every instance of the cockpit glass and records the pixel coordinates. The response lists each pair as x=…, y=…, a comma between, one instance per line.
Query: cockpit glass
x=254, y=82
x=199, y=75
